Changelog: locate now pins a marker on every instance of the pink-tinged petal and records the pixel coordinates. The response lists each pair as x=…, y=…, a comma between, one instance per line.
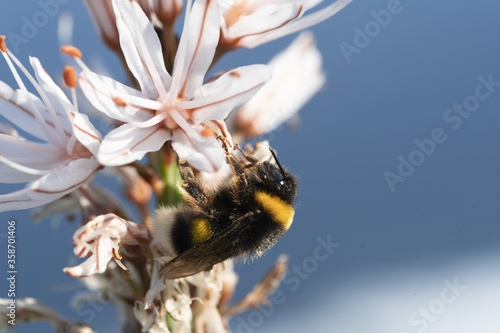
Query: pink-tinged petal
x=64, y=178
x=104, y=18
x=97, y=262
x=216, y=99
x=105, y=93
x=35, y=155
x=104, y=253
x=262, y=21
x=87, y=268
x=211, y=319
x=61, y=164
x=128, y=143
x=157, y=285
x=58, y=100
x=167, y=10
x=16, y=107
x=100, y=237
x=141, y=48
x=21, y=200
x=8, y=175
x=86, y=133
x=297, y=25
x=203, y=153
x=60, y=181
x=199, y=40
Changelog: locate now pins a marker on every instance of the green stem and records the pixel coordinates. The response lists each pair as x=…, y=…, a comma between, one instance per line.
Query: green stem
x=165, y=164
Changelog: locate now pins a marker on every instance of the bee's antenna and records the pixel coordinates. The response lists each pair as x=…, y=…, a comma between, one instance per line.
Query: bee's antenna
x=277, y=162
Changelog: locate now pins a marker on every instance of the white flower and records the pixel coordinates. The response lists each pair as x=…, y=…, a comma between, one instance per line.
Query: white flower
x=152, y=320
x=297, y=76
x=180, y=107
x=252, y=23
x=54, y=154
x=178, y=304
x=209, y=287
x=101, y=238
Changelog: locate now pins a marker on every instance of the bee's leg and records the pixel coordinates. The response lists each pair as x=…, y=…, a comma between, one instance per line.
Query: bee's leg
x=186, y=171
x=247, y=156
x=241, y=179
x=230, y=160
x=196, y=194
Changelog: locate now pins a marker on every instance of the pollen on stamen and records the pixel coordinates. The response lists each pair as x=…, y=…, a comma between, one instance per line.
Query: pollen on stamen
x=116, y=254
x=118, y=257
x=69, y=76
x=207, y=132
x=119, y=101
x=3, y=46
x=72, y=51
x=235, y=73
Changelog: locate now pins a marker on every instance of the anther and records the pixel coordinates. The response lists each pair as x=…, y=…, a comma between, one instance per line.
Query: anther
x=72, y=51
x=207, y=132
x=69, y=76
x=119, y=101
x=3, y=46
x=116, y=254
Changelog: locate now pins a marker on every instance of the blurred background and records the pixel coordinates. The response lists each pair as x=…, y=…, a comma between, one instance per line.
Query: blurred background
x=398, y=220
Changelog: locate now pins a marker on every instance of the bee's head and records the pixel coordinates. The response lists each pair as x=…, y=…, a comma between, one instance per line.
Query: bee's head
x=275, y=179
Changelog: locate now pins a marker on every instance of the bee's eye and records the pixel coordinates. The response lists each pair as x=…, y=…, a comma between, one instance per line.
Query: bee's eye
x=275, y=175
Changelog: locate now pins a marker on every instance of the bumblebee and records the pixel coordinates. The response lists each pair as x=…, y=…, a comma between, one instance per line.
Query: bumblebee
x=243, y=217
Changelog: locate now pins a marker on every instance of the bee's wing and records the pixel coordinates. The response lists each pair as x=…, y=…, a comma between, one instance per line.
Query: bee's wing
x=203, y=256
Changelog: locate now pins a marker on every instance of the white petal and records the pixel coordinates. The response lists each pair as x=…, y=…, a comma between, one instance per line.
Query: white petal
x=297, y=25
x=289, y=89
x=216, y=99
x=86, y=268
x=128, y=143
x=141, y=48
x=86, y=133
x=104, y=253
x=262, y=21
x=58, y=100
x=101, y=92
x=20, y=200
x=103, y=15
x=52, y=186
x=9, y=175
x=35, y=155
x=16, y=107
x=213, y=322
x=204, y=154
x=199, y=40
x=64, y=178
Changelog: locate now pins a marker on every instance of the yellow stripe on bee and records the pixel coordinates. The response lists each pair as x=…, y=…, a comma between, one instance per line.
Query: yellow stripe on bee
x=280, y=211
x=200, y=230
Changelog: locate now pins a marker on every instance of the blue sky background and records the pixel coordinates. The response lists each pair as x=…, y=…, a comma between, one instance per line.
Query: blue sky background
x=400, y=248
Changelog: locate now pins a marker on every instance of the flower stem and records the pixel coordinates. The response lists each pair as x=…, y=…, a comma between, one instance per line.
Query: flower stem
x=166, y=165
